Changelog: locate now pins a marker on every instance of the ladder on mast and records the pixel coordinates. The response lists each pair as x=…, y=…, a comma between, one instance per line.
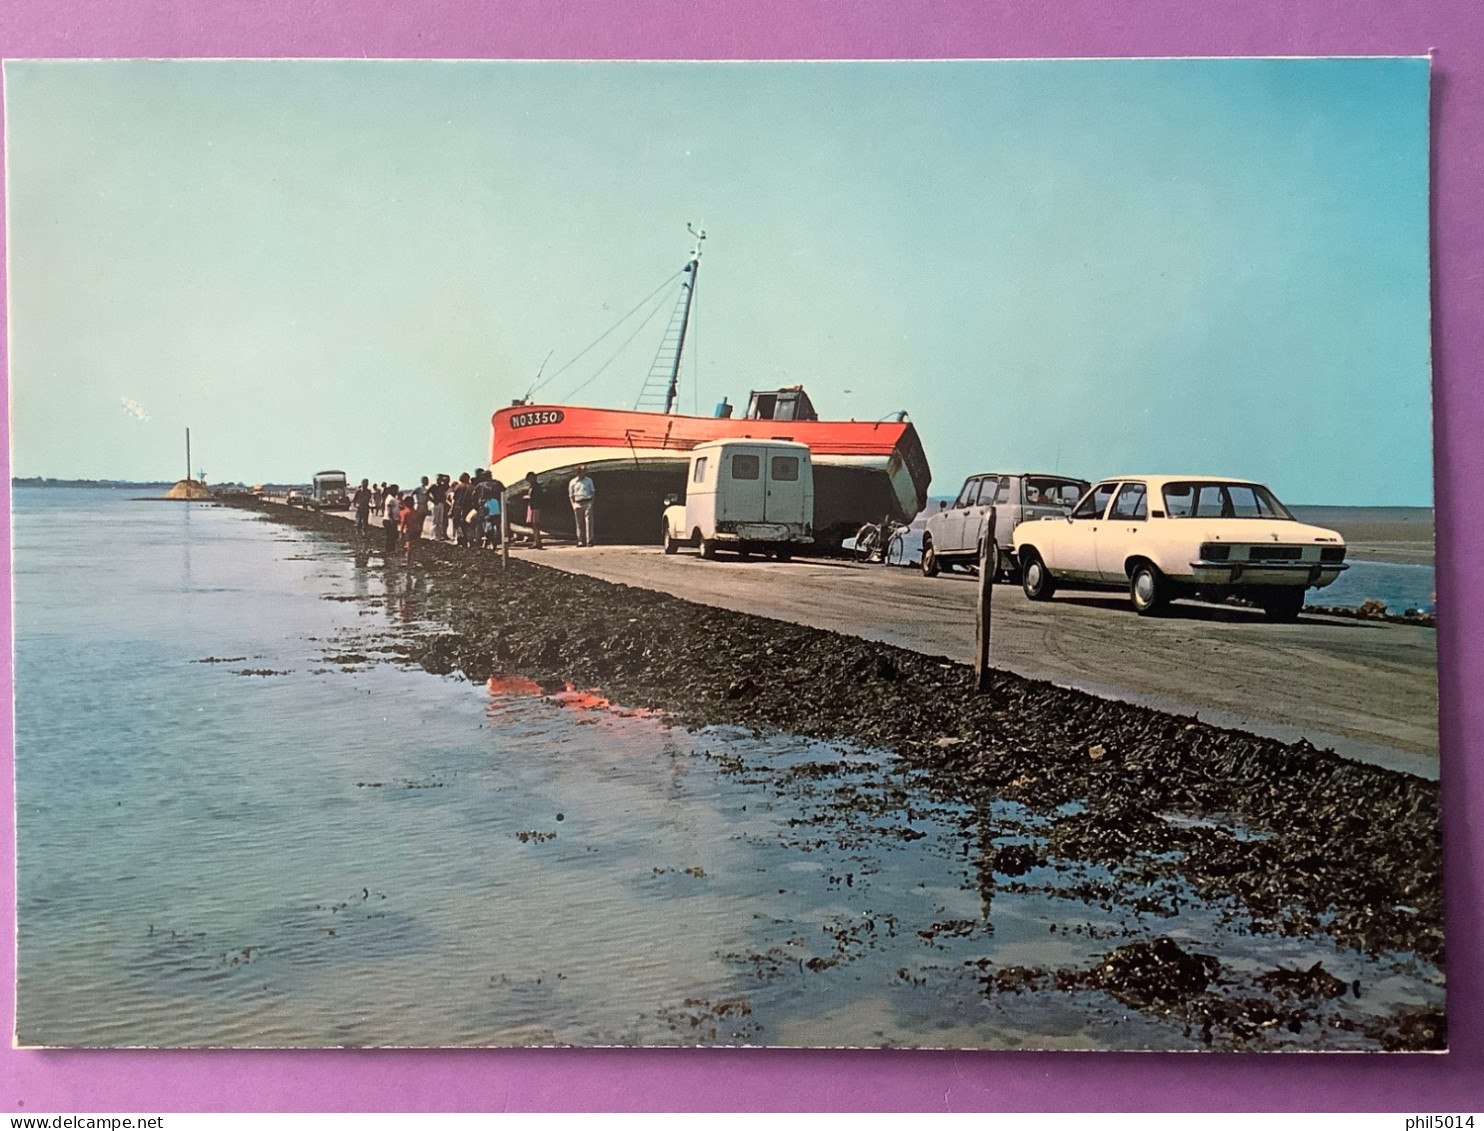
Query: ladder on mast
x=658, y=393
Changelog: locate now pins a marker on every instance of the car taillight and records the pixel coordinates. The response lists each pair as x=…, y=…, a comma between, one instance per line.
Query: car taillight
x=1332, y=554
x=1215, y=551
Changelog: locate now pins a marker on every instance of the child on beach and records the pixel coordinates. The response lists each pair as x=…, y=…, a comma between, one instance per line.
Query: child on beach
x=410, y=522
x=535, y=497
x=493, y=532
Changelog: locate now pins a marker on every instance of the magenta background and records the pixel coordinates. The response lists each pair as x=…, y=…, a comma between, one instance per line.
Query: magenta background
x=495, y=1080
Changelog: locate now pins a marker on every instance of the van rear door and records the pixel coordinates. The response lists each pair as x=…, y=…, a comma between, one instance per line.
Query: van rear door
x=785, y=500
x=741, y=491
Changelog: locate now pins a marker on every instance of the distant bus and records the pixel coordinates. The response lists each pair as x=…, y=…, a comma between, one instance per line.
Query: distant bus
x=329, y=490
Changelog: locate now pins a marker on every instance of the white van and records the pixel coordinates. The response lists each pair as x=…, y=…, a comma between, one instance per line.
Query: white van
x=330, y=491
x=745, y=495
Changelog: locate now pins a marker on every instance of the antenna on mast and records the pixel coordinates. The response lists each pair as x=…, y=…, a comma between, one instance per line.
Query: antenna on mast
x=527, y=398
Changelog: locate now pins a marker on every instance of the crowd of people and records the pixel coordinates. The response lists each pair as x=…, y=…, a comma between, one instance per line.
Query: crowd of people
x=466, y=510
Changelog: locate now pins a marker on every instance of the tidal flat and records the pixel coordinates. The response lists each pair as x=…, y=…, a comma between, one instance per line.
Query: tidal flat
x=1124, y=878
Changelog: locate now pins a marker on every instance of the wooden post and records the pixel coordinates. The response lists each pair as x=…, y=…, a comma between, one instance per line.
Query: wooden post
x=989, y=560
x=504, y=527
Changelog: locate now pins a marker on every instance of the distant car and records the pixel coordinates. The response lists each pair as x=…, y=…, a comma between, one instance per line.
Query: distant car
x=954, y=535
x=1169, y=536
x=299, y=497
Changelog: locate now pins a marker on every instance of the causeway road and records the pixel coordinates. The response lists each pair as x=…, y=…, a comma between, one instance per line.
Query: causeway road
x=1366, y=689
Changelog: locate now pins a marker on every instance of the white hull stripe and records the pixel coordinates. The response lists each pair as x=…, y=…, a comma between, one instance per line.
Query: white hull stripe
x=546, y=461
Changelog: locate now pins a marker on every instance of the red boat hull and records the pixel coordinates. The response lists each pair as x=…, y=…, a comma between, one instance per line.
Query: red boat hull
x=862, y=469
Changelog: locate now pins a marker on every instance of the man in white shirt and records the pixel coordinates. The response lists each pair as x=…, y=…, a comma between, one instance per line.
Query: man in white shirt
x=389, y=518
x=581, y=492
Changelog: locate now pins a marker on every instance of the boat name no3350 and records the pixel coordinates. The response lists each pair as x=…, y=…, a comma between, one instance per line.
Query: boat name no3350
x=545, y=416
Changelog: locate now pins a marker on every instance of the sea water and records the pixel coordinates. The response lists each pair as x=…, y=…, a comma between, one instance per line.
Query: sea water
x=241, y=821
x=1401, y=586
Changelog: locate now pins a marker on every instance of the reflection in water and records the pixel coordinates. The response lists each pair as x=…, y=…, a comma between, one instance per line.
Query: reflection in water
x=984, y=861
x=502, y=687
x=184, y=511
x=404, y=588
x=360, y=578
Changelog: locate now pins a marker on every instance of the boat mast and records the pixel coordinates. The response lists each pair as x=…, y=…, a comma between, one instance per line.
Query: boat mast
x=664, y=373
x=693, y=268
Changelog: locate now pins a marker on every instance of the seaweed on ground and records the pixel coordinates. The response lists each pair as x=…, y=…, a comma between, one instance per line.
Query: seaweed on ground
x=1321, y=845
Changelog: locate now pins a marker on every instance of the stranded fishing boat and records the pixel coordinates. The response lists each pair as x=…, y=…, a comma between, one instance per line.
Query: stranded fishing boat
x=863, y=470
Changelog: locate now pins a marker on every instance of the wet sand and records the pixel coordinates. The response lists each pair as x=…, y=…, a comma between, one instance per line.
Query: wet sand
x=1302, y=842
x=1403, y=542
x=1405, y=535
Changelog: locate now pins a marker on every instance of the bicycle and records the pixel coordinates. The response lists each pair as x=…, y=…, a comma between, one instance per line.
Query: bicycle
x=869, y=547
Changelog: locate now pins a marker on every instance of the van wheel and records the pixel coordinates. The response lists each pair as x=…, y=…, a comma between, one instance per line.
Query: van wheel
x=784, y=553
x=744, y=552
x=708, y=548
x=931, y=567
x=671, y=544
x=1282, y=604
x=1035, y=578
x=1147, y=589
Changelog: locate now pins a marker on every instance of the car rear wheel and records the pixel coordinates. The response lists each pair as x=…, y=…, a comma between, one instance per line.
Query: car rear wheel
x=1147, y=589
x=1283, y=604
x=930, y=564
x=1035, y=578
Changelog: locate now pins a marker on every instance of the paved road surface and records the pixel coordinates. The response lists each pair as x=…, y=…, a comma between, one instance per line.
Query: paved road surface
x=1367, y=689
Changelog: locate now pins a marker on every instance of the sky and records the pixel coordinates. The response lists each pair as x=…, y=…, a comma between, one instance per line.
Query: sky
x=1094, y=267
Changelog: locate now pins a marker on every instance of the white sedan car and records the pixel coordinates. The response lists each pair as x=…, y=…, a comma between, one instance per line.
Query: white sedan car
x=1168, y=536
